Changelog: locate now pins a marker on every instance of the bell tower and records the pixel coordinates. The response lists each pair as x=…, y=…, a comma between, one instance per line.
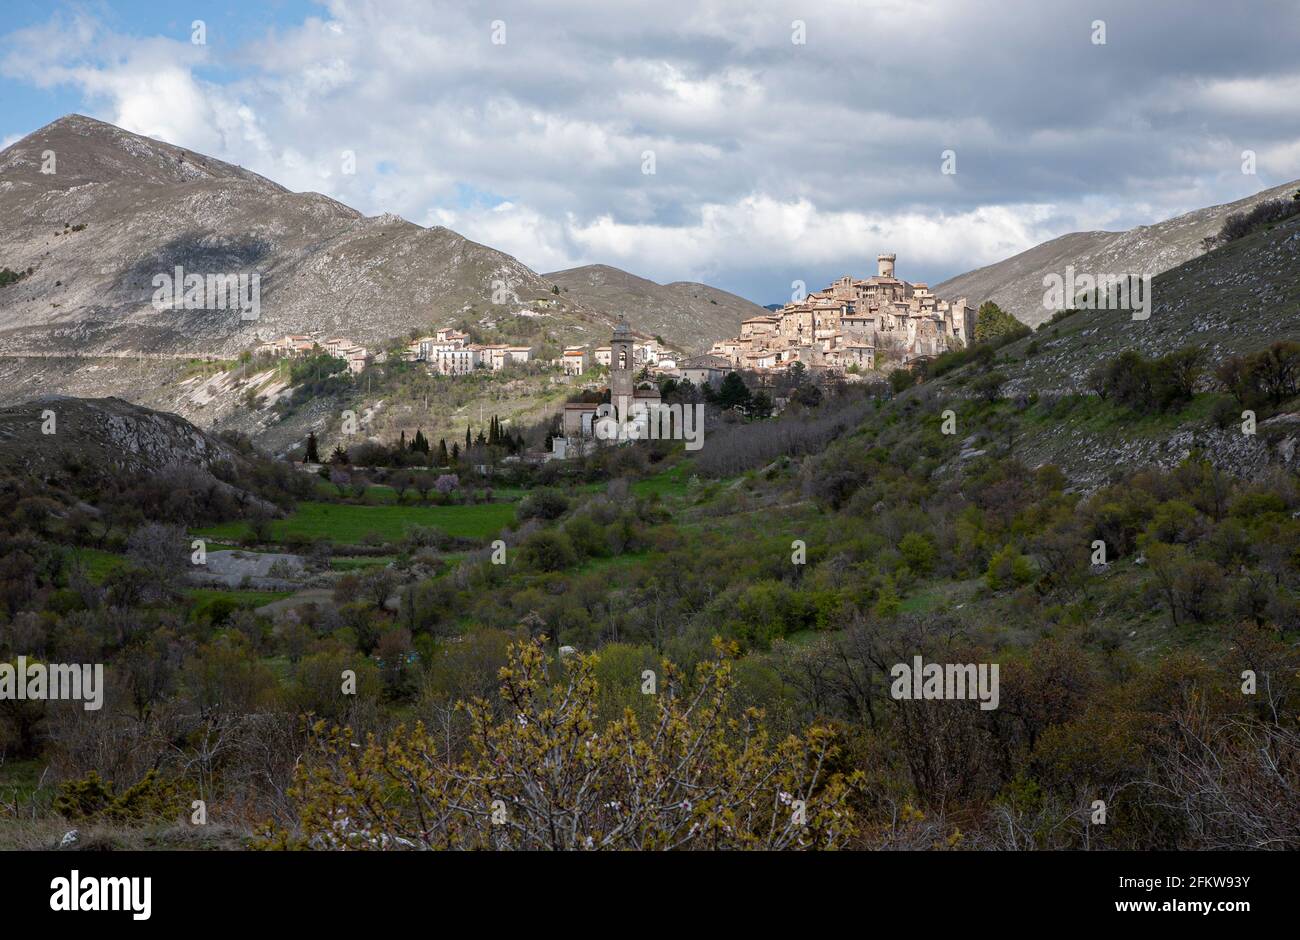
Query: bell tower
x=621, y=384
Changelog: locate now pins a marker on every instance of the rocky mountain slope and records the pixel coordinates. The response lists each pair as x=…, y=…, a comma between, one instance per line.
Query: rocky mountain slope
x=119, y=209
x=101, y=436
x=1236, y=299
x=696, y=315
x=1016, y=283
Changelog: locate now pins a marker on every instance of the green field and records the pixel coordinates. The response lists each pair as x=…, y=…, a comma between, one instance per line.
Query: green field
x=383, y=493
x=349, y=524
x=671, y=482
x=98, y=563
x=247, y=599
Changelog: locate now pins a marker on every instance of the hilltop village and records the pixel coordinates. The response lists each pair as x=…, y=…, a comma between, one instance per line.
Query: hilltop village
x=853, y=325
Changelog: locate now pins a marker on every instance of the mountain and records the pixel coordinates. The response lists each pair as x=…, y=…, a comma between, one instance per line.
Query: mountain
x=1016, y=283
x=1235, y=299
x=693, y=315
x=120, y=209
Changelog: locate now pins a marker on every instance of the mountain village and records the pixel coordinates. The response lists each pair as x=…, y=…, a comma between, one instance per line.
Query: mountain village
x=852, y=327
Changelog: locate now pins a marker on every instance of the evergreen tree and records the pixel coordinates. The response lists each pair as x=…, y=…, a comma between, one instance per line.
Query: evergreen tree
x=992, y=322
x=455, y=452
x=311, y=456
x=443, y=457
x=733, y=393
x=469, y=441
x=401, y=443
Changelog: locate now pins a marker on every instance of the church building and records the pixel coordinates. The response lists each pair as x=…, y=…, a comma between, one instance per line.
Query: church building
x=580, y=417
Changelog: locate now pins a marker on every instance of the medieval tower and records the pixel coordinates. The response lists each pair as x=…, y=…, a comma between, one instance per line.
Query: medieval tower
x=621, y=384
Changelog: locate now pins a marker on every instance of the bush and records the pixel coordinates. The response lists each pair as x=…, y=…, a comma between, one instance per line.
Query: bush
x=900, y=380
x=215, y=610
x=543, y=504
x=989, y=386
x=918, y=551
x=1149, y=386
x=1269, y=376
x=1240, y=224
x=548, y=550
x=587, y=536
x=93, y=798
x=1008, y=568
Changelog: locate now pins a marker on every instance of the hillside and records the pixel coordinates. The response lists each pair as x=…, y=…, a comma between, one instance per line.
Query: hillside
x=120, y=209
x=1016, y=283
x=101, y=436
x=688, y=314
x=1236, y=299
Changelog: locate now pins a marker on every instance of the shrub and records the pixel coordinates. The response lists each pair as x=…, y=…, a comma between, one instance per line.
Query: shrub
x=1149, y=386
x=1008, y=568
x=1240, y=224
x=918, y=551
x=1269, y=376
x=93, y=798
x=543, y=504
x=548, y=550
x=574, y=782
x=900, y=380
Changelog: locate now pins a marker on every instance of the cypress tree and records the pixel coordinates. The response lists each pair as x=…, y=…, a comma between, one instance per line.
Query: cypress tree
x=311, y=456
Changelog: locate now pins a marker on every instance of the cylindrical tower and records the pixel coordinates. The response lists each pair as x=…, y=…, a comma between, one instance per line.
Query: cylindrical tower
x=885, y=264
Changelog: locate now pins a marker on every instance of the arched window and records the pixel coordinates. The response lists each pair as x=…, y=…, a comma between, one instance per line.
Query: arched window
x=622, y=359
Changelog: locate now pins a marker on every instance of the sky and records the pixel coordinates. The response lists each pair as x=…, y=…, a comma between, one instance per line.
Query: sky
x=746, y=144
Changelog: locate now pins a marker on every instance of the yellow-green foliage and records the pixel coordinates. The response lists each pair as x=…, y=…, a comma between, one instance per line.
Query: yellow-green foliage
x=92, y=798
x=544, y=773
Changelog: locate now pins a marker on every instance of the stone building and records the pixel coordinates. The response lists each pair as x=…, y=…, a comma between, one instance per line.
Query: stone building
x=578, y=418
x=855, y=322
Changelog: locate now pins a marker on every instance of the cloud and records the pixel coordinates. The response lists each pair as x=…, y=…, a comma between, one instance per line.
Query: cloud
x=768, y=155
